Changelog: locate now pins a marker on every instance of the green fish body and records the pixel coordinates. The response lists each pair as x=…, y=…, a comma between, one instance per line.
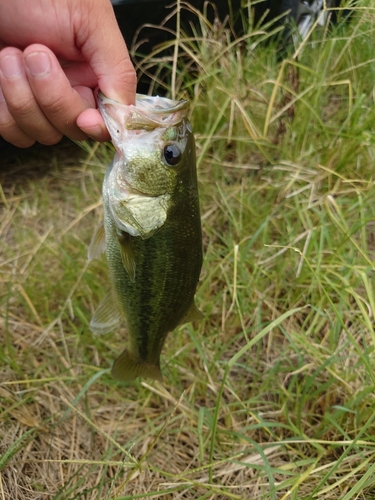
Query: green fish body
x=152, y=233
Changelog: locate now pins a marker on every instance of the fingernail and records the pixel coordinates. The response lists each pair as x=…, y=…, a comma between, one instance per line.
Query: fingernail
x=38, y=63
x=11, y=66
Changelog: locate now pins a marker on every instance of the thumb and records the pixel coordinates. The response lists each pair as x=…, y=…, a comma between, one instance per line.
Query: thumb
x=103, y=46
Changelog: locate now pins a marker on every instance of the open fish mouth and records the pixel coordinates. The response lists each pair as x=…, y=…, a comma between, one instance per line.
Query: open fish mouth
x=148, y=113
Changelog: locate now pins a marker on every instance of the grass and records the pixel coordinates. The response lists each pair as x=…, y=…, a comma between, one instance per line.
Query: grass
x=272, y=395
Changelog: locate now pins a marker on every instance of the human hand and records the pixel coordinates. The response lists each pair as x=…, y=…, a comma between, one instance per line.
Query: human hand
x=53, y=55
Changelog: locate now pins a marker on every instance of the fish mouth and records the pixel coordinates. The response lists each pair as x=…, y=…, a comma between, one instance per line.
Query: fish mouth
x=148, y=114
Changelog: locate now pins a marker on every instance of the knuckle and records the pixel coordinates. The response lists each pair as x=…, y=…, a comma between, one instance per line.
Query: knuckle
x=51, y=139
x=56, y=106
x=21, y=107
x=16, y=137
x=129, y=76
x=7, y=125
x=27, y=142
x=13, y=133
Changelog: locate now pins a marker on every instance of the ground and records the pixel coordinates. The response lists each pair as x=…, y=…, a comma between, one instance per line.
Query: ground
x=271, y=395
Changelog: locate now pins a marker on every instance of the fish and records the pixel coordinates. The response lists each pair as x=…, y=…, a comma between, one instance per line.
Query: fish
x=151, y=232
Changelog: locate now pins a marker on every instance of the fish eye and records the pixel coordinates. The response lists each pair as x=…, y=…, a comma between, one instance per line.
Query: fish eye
x=172, y=155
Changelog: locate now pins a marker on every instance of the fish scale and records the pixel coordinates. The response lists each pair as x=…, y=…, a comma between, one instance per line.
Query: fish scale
x=154, y=266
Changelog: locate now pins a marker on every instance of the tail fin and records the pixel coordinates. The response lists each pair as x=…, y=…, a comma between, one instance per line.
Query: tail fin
x=127, y=368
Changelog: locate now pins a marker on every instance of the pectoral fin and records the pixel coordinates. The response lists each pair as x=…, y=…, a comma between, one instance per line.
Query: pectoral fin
x=97, y=245
x=193, y=314
x=107, y=317
x=127, y=253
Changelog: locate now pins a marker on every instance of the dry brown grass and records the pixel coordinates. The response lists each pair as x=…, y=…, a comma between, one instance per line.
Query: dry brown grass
x=271, y=397
x=68, y=431
x=62, y=431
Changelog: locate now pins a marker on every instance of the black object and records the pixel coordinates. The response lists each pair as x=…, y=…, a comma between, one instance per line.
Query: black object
x=132, y=14
x=299, y=13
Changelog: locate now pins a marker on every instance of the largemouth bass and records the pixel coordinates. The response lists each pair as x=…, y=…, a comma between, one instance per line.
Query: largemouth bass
x=151, y=231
